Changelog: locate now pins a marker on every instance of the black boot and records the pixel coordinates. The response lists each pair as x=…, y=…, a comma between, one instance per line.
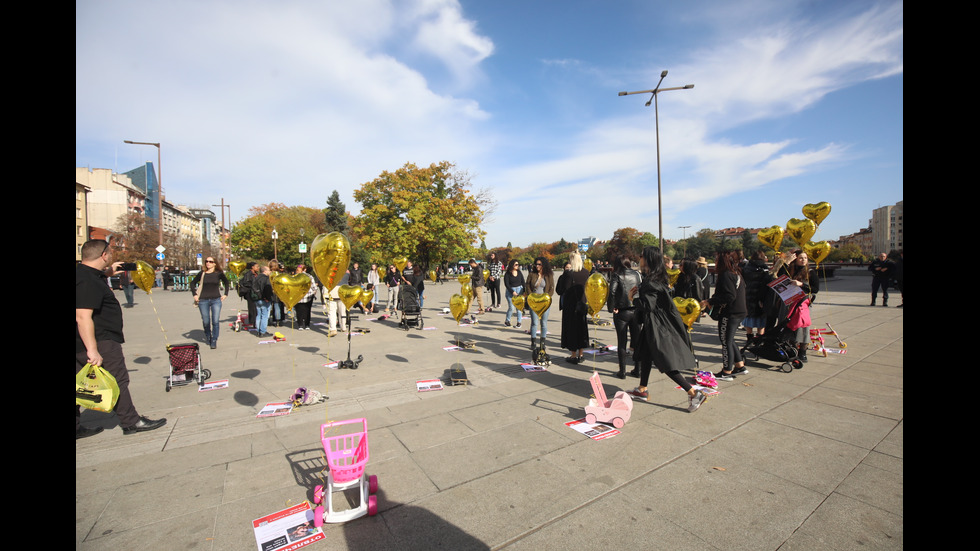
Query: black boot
x=622, y=372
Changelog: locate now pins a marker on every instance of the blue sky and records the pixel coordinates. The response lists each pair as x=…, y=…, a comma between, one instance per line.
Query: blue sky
x=794, y=102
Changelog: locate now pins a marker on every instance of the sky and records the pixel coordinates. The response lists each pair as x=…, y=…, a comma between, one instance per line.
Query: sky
x=794, y=102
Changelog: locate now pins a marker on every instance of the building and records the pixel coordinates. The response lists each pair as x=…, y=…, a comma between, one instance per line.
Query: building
x=109, y=196
x=887, y=228
x=81, y=218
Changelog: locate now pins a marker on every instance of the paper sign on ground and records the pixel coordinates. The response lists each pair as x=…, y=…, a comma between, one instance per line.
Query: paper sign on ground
x=288, y=529
x=276, y=408
x=215, y=385
x=530, y=368
x=597, y=431
x=431, y=384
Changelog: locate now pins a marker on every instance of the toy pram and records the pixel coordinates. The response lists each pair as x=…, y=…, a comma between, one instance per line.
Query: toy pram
x=347, y=454
x=185, y=365
x=616, y=411
x=410, y=307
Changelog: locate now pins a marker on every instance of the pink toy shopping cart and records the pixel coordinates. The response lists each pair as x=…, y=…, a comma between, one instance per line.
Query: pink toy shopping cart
x=347, y=454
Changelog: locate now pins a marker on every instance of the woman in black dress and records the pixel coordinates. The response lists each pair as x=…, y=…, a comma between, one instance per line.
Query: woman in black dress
x=574, y=325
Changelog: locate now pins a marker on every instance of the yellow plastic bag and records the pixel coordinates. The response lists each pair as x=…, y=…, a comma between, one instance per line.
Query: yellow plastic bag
x=96, y=388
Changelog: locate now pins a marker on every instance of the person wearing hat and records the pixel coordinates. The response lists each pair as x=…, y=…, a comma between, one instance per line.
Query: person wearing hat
x=702, y=273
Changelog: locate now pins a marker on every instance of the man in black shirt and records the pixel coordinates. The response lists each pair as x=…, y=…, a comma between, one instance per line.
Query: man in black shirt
x=881, y=275
x=99, y=335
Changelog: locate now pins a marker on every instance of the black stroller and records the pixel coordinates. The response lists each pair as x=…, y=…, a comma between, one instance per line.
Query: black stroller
x=410, y=307
x=776, y=344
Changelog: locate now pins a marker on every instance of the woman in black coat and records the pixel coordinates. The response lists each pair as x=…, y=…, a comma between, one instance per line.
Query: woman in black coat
x=663, y=339
x=757, y=278
x=574, y=324
x=624, y=278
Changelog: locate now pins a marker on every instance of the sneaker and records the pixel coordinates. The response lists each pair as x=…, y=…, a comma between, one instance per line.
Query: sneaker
x=740, y=371
x=639, y=394
x=507, y=323
x=144, y=425
x=518, y=325
x=699, y=398
x=722, y=376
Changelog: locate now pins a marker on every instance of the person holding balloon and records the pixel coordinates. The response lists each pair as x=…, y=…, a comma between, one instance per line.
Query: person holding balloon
x=663, y=339
x=574, y=323
x=540, y=280
x=262, y=295
x=728, y=301
x=513, y=286
x=806, y=279
x=305, y=305
x=209, y=298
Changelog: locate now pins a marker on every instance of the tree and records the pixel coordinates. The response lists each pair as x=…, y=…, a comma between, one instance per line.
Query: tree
x=136, y=238
x=426, y=214
x=335, y=215
x=252, y=237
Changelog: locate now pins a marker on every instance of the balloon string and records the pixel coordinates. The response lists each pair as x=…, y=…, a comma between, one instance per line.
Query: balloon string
x=162, y=330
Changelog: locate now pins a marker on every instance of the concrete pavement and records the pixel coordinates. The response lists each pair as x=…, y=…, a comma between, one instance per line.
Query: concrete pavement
x=811, y=459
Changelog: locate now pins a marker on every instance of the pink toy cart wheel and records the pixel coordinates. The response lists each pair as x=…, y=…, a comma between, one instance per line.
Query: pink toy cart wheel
x=373, y=484
x=619, y=423
x=372, y=505
x=318, y=516
x=590, y=418
x=318, y=494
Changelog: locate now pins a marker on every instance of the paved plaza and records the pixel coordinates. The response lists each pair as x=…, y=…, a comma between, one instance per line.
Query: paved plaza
x=811, y=459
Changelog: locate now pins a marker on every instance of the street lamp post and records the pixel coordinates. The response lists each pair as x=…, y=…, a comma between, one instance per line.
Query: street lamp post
x=656, y=91
x=224, y=243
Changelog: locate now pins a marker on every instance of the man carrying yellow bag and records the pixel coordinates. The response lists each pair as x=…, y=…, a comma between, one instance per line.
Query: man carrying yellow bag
x=99, y=335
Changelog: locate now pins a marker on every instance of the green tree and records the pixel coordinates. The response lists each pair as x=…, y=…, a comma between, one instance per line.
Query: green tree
x=426, y=214
x=335, y=215
x=252, y=237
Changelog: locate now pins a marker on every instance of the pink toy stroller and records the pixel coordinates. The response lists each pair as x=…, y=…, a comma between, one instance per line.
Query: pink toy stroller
x=616, y=411
x=347, y=454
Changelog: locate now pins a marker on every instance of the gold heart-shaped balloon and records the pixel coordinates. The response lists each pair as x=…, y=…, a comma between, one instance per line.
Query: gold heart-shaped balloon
x=539, y=303
x=817, y=251
x=400, y=263
x=350, y=294
x=458, y=305
x=236, y=266
x=486, y=274
x=596, y=291
x=772, y=237
x=382, y=272
x=587, y=263
x=672, y=275
x=518, y=301
x=466, y=290
x=290, y=288
x=463, y=278
x=330, y=256
x=690, y=310
x=801, y=230
x=816, y=211
x=367, y=296
x=433, y=276
x=144, y=276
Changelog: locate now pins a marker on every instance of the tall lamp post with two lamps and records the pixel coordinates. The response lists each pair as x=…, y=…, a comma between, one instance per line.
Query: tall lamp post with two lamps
x=656, y=92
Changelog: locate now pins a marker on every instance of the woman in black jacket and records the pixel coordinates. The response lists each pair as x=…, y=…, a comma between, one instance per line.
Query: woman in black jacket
x=729, y=300
x=757, y=278
x=663, y=339
x=624, y=278
x=513, y=285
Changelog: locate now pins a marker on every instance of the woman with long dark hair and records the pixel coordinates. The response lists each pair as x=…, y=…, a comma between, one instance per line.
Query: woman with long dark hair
x=806, y=279
x=663, y=340
x=209, y=298
x=513, y=285
x=623, y=279
x=540, y=280
x=729, y=300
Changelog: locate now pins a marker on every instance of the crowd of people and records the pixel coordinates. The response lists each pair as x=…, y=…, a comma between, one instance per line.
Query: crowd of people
x=649, y=329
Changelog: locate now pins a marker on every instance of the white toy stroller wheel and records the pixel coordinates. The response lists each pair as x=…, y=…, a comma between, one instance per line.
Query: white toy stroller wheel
x=373, y=484
x=205, y=374
x=590, y=418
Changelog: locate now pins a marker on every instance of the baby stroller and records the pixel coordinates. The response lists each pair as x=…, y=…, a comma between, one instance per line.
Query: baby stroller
x=347, y=454
x=185, y=365
x=776, y=343
x=411, y=308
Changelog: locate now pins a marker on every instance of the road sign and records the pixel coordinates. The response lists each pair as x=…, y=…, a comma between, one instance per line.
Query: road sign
x=160, y=256
x=160, y=248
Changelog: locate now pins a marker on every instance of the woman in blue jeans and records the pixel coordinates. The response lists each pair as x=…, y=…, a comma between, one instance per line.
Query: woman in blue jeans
x=513, y=285
x=540, y=280
x=209, y=298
